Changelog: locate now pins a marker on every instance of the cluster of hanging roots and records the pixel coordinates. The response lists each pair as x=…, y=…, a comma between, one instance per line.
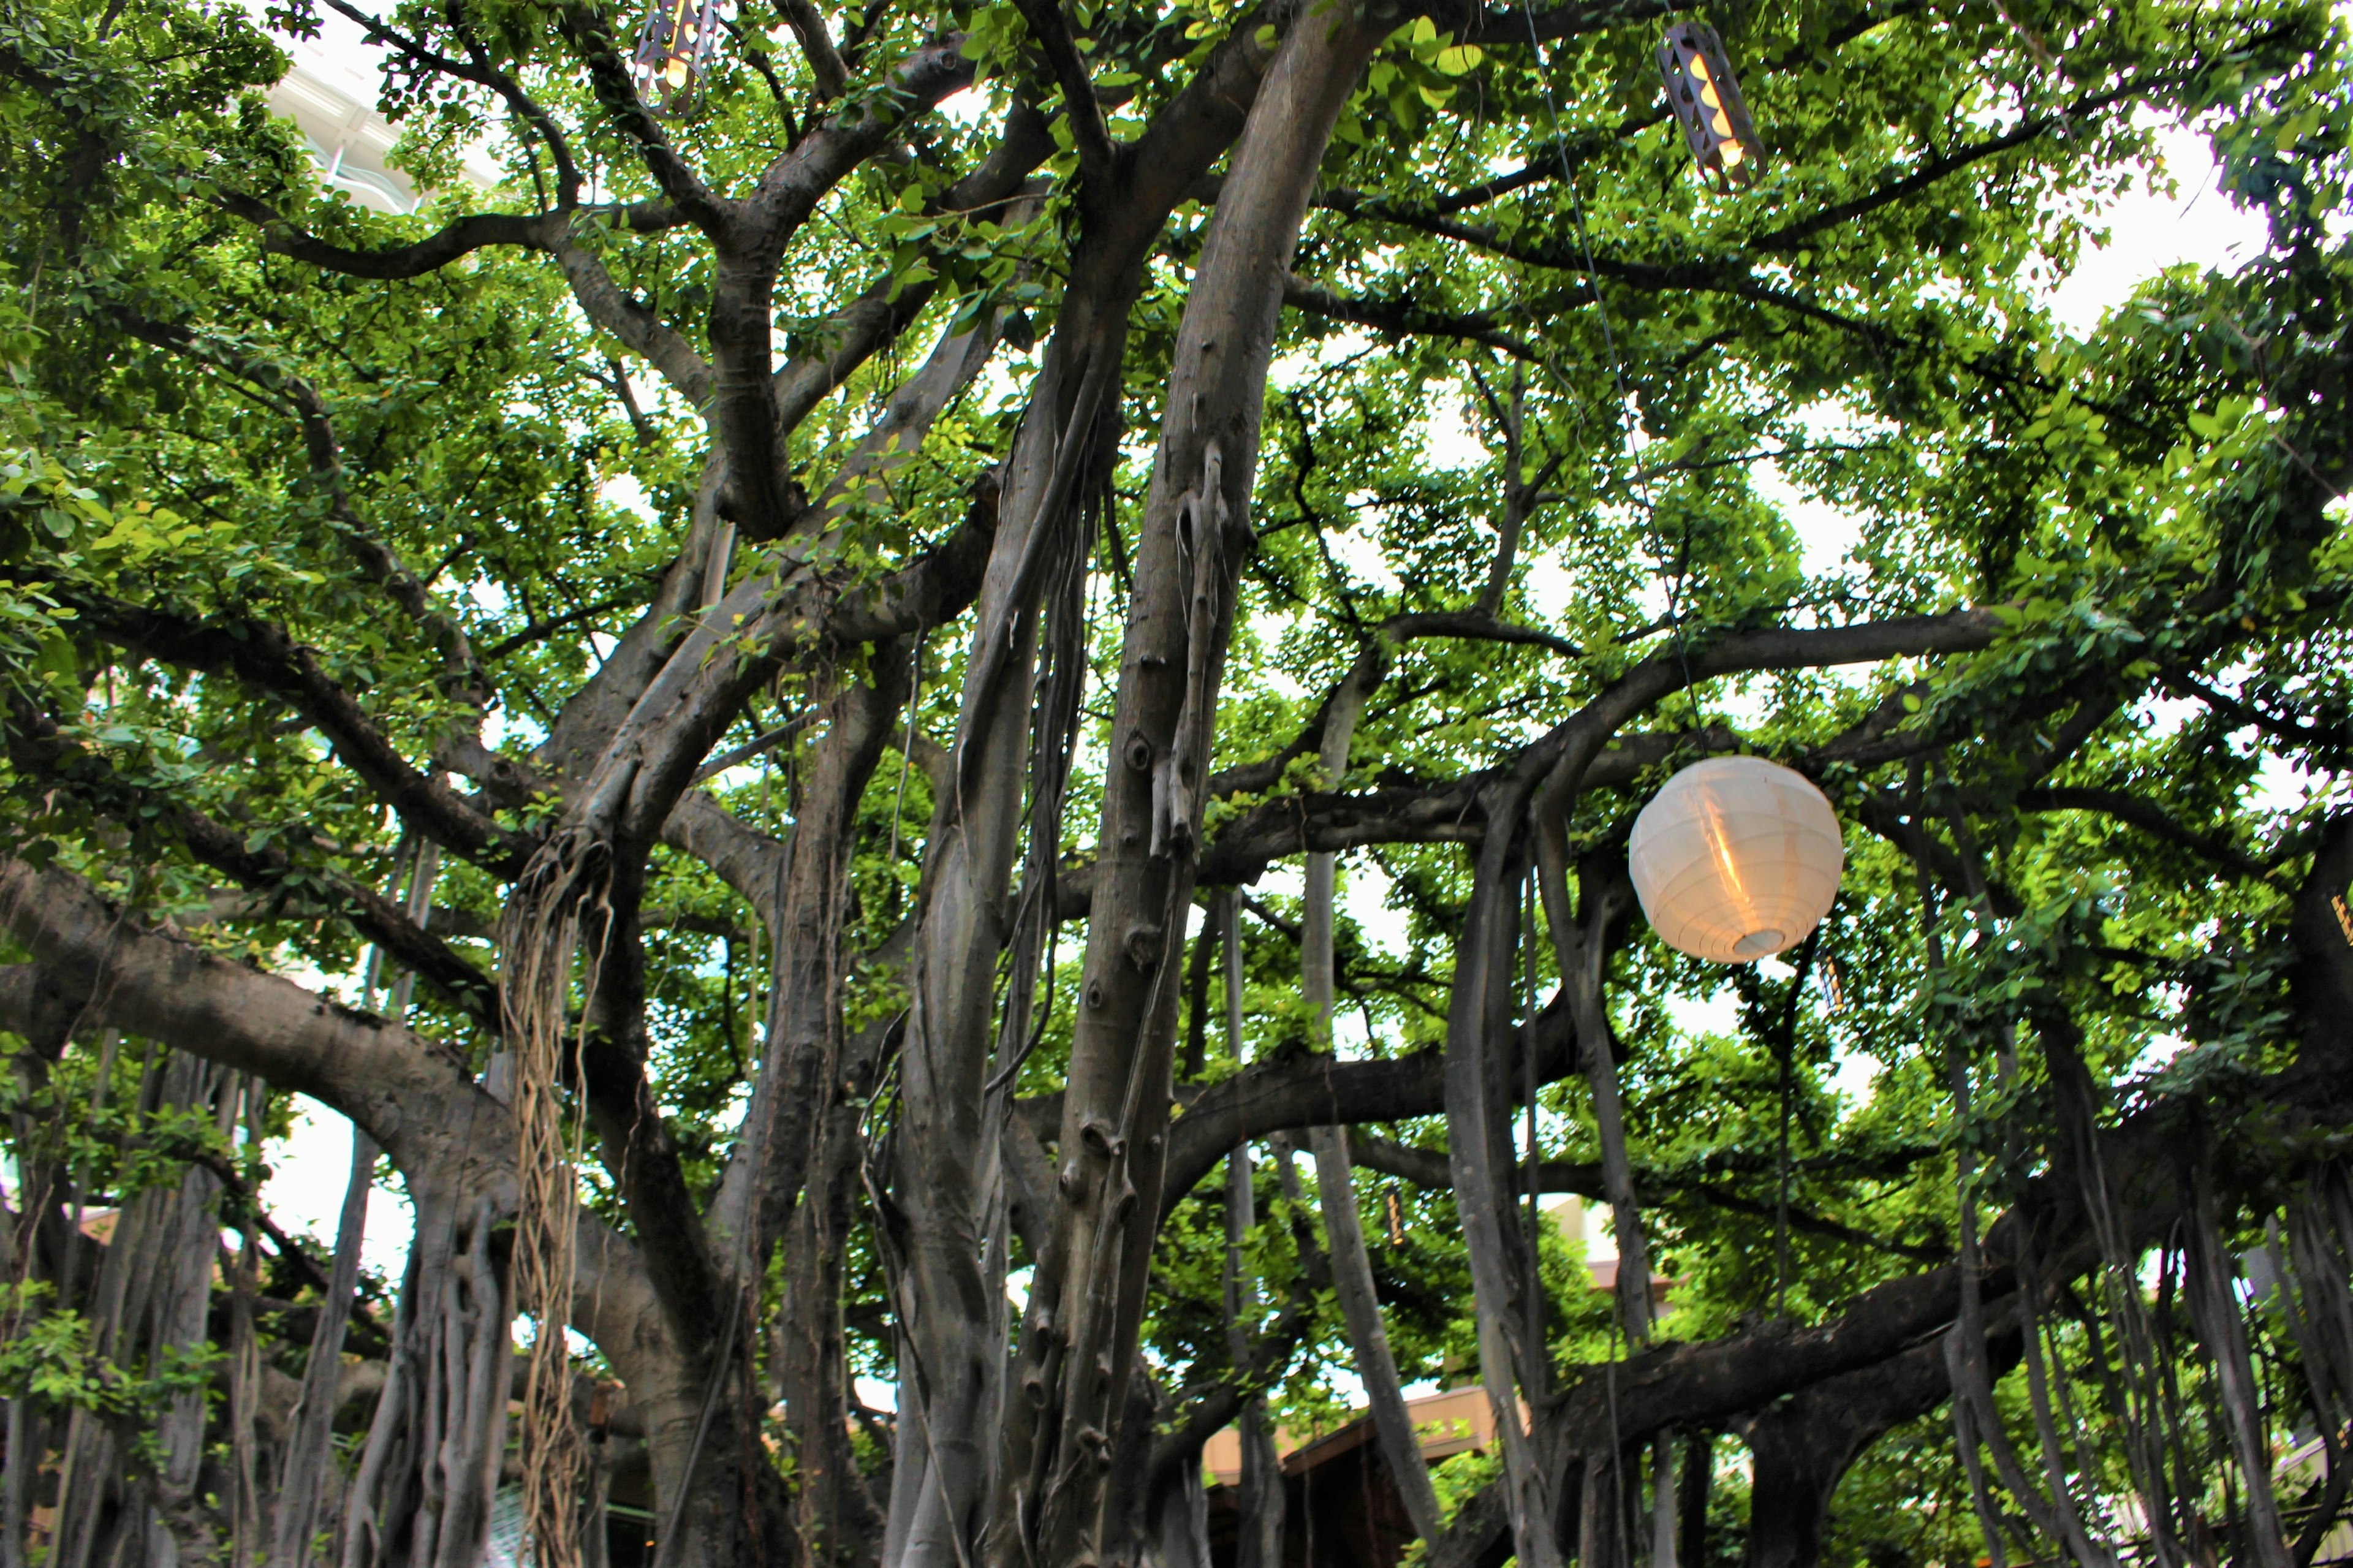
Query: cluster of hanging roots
x=564, y=887
x=2166, y=1326
x=2174, y=1464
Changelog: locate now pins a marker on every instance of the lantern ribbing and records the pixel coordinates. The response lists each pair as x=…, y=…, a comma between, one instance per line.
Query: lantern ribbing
x=1736, y=858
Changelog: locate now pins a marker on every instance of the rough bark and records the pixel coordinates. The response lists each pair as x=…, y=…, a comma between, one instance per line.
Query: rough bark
x=1478, y=1103
x=1078, y=1339
x=1802, y=1447
x=951, y=1362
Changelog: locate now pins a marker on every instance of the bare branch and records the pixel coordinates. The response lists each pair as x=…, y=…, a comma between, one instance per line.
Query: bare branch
x=826, y=65
x=2150, y=818
x=791, y=186
x=412, y=1094
x=463, y=673
x=1081, y=111
x=265, y=657
x=458, y=239
x=1426, y=1168
x=636, y=325
x=1404, y=317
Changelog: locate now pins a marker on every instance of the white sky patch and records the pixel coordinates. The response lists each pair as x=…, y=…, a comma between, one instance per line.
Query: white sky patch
x=1364, y=892
x=2162, y=1049
x=2150, y=231
x=622, y=489
x=1826, y=533
x=1300, y=364
x=968, y=106
x=1359, y=550
x=1448, y=439
x=1714, y=1014
x=1548, y=584
x=1287, y=879
x=1855, y=1076
x=308, y=1171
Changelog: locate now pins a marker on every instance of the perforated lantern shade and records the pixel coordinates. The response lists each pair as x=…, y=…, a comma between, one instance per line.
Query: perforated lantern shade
x=1736, y=858
x=676, y=41
x=1707, y=104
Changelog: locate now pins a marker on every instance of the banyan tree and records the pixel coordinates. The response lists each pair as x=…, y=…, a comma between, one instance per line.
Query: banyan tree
x=932, y=725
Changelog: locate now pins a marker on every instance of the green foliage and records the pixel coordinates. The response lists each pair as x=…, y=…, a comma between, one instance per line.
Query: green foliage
x=51, y=1360
x=1864, y=334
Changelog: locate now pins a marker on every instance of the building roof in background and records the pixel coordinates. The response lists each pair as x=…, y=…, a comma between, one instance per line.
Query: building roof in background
x=1452, y=1421
x=330, y=93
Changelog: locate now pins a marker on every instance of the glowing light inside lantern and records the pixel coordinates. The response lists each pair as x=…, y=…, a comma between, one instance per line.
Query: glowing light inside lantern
x=1706, y=102
x=675, y=44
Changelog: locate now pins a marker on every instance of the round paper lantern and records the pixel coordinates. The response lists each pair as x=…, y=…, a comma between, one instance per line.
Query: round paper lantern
x=1735, y=859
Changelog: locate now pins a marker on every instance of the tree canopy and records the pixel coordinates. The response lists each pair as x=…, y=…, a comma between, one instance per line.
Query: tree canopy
x=957, y=703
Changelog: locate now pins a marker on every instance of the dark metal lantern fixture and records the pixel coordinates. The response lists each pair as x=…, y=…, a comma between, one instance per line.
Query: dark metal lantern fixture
x=1708, y=103
x=674, y=45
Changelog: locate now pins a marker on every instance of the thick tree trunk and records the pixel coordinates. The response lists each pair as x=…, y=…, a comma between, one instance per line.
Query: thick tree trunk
x=1801, y=1448
x=1479, y=1146
x=793, y=1152
x=952, y=1362
x=1078, y=1340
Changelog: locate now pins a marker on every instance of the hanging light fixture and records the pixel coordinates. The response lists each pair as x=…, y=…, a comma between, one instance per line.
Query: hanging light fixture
x=1707, y=104
x=1735, y=859
x=675, y=44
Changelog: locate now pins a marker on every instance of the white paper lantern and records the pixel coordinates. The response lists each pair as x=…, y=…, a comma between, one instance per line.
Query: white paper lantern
x=1735, y=859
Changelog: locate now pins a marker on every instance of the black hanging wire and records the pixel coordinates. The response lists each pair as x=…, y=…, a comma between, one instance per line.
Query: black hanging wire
x=1539, y=1358
x=1672, y=573
x=1671, y=580
x=1785, y=1048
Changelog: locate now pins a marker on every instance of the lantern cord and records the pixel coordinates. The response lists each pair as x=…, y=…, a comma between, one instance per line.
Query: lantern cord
x=906, y=755
x=1782, y=1204
x=1671, y=582
x=1539, y=1365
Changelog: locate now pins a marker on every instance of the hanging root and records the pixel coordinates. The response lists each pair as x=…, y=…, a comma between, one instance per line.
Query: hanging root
x=2318, y=1250
x=565, y=889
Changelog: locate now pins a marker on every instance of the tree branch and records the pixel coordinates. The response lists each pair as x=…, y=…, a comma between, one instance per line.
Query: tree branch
x=462, y=671
x=609, y=76
x=1080, y=111
x=412, y=1094
x=37, y=747
x=266, y=659
x=2150, y=818
x=1404, y=317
